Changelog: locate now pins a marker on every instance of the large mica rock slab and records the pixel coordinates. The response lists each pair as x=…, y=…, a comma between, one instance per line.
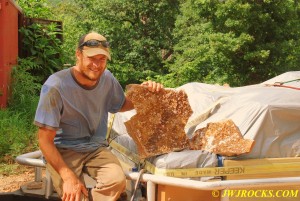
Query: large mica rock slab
x=158, y=126
x=223, y=138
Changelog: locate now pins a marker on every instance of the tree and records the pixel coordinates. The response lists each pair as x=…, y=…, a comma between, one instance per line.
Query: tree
x=140, y=32
x=76, y=22
x=239, y=42
x=41, y=43
x=35, y=8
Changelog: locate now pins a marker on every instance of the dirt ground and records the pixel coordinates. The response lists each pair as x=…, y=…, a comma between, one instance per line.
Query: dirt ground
x=13, y=182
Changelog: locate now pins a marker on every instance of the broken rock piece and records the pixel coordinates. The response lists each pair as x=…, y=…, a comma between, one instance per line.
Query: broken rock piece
x=222, y=138
x=158, y=126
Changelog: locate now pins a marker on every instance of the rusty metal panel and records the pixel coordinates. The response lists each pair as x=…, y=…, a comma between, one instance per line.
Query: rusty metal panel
x=8, y=46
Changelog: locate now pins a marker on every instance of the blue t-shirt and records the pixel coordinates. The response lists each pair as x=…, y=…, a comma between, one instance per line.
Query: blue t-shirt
x=78, y=115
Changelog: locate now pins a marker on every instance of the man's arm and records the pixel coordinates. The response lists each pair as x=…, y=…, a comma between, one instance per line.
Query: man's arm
x=152, y=86
x=128, y=105
x=72, y=186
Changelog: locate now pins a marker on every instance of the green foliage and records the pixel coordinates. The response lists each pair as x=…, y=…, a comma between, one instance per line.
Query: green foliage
x=76, y=22
x=35, y=8
x=240, y=42
x=44, y=49
x=16, y=135
x=12, y=169
x=17, y=132
x=140, y=32
x=25, y=89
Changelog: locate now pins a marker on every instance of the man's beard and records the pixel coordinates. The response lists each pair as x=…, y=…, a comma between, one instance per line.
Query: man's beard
x=90, y=78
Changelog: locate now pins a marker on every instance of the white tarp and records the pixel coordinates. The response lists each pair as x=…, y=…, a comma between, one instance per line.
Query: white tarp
x=267, y=114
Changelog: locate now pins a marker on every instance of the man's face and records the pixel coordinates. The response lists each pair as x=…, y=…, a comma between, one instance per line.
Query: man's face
x=91, y=68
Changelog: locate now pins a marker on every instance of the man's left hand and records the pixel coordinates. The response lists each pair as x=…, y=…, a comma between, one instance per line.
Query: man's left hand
x=152, y=86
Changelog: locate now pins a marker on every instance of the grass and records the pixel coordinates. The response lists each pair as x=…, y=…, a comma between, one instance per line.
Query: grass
x=12, y=169
x=17, y=136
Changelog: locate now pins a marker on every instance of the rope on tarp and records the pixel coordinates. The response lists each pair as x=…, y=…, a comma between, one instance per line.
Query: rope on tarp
x=281, y=84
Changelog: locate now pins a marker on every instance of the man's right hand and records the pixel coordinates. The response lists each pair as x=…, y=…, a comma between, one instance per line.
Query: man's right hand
x=73, y=188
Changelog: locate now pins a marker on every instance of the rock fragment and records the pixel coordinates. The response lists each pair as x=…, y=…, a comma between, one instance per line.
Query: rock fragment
x=158, y=126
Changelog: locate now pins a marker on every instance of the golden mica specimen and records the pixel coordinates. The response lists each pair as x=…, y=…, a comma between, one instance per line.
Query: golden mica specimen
x=158, y=126
x=223, y=138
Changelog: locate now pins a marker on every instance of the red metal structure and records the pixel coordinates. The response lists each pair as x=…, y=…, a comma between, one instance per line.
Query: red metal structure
x=9, y=15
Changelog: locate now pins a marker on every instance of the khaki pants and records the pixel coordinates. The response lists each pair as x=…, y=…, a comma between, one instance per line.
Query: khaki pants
x=101, y=165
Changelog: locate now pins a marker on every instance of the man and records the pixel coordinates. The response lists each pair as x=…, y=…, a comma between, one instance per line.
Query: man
x=72, y=119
